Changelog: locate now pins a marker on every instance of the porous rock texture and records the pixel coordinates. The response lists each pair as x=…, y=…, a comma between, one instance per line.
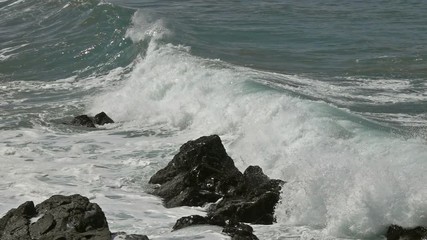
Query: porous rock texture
x=58, y=218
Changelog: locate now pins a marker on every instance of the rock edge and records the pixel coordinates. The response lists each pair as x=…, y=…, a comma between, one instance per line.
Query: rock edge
x=60, y=218
x=202, y=173
x=91, y=122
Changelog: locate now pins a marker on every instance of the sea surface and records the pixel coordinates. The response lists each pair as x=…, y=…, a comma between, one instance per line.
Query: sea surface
x=327, y=95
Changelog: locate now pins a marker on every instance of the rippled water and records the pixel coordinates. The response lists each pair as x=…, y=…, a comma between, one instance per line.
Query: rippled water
x=328, y=96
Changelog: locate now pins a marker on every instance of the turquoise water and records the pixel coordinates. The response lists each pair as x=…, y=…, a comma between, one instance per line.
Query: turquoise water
x=369, y=56
x=329, y=96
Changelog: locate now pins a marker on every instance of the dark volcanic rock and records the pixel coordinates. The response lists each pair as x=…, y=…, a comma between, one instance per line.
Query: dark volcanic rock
x=102, y=118
x=72, y=216
x=253, y=201
x=190, y=221
x=59, y=217
x=15, y=224
x=395, y=232
x=239, y=231
x=84, y=121
x=201, y=172
x=87, y=121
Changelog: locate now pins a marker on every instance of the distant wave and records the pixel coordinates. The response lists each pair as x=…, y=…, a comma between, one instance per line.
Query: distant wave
x=48, y=40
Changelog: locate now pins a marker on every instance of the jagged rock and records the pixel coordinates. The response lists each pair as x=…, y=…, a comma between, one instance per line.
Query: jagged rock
x=190, y=221
x=239, y=231
x=87, y=121
x=253, y=201
x=59, y=217
x=15, y=224
x=201, y=172
x=102, y=118
x=84, y=121
x=395, y=232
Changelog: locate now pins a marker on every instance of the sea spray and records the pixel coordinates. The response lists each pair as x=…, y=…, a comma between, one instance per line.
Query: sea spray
x=330, y=119
x=343, y=178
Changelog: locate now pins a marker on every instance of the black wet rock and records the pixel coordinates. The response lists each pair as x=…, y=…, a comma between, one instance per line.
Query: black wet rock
x=200, y=173
x=59, y=217
x=396, y=232
x=239, y=231
x=15, y=224
x=199, y=220
x=91, y=122
x=254, y=199
x=83, y=120
x=190, y=221
x=102, y=118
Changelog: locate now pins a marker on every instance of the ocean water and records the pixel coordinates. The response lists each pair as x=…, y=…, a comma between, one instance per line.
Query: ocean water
x=329, y=96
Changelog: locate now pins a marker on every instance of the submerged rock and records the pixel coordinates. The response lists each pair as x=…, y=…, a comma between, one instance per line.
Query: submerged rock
x=202, y=173
x=102, y=118
x=59, y=217
x=395, y=232
x=237, y=230
x=83, y=120
x=87, y=121
x=253, y=201
x=190, y=221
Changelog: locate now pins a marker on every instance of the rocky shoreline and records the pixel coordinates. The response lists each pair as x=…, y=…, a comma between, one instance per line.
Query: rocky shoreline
x=200, y=174
x=203, y=173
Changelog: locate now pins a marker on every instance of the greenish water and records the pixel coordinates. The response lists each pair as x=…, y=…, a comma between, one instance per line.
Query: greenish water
x=329, y=96
x=368, y=57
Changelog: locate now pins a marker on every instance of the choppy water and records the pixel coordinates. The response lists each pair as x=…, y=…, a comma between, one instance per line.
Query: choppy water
x=328, y=96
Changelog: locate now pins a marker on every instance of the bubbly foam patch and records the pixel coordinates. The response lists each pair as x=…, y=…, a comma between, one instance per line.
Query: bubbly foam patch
x=110, y=170
x=346, y=177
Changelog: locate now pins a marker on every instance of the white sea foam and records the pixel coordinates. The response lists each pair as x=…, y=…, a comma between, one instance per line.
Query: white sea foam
x=7, y=53
x=347, y=178
x=96, y=165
